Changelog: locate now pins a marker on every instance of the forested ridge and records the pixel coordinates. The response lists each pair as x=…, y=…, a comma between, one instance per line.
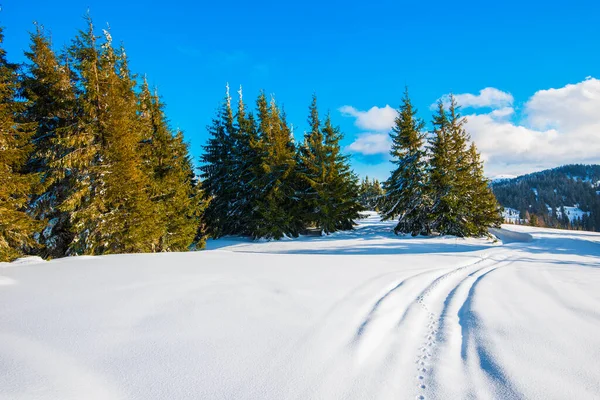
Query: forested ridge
x=541, y=197
x=90, y=165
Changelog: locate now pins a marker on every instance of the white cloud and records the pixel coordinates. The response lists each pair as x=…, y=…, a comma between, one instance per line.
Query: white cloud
x=558, y=126
x=371, y=144
x=374, y=119
x=488, y=97
x=568, y=108
x=503, y=112
x=551, y=128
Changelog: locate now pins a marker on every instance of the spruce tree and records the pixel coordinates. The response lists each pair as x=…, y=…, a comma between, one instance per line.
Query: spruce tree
x=462, y=202
x=483, y=208
x=51, y=107
x=109, y=204
x=245, y=156
x=312, y=170
x=405, y=192
x=217, y=181
x=276, y=206
x=371, y=194
x=342, y=197
x=16, y=226
x=442, y=173
x=462, y=172
x=330, y=195
x=172, y=183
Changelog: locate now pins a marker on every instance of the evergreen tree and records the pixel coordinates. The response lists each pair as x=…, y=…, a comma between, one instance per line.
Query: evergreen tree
x=484, y=210
x=442, y=173
x=405, y=194
x=312, y=170
x=461, y=194
x=216, y=170
x=277, y=205
x=371, y=194
x=167, y=162
x=246, y=152
x=51, y=106
x=109, y=204
x=341, y=196
x=16, y=226
x=330, y=194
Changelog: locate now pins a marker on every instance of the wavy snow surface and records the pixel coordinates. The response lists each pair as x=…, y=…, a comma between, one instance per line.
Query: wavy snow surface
x=359, y=315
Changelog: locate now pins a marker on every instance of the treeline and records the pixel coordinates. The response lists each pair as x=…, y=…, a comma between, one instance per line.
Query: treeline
x=370, y=194
x=90, y=165
x=541, y=197
x=88, y=162
x=438, y=184
x=261, y=184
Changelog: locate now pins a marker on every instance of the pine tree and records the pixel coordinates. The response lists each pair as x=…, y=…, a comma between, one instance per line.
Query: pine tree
x=109, y=204
x=246, y=152
x=276, y=206
x=51, y=107
x=128, y=223
x=462, y=201
x=217, y=181
x=330, y=195
x=169, y=167
x=342, y=194
x=484, y=210
x=461, y=193
x=442, y=173
x=371, y=194
x=312, y=170
x=16, y=226
x=405, y=193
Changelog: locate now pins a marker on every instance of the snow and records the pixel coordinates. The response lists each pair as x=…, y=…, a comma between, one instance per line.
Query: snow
x=502, y=178
x=573, y=212
x=511, y=215
x=359, y=315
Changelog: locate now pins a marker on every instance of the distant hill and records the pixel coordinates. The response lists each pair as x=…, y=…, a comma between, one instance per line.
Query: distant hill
x=566, y=197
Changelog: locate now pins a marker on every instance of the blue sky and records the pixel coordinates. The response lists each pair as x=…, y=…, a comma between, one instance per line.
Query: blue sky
x=358, y=57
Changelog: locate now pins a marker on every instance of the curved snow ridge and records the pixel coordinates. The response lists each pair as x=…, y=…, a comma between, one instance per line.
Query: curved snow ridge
x=507, y=236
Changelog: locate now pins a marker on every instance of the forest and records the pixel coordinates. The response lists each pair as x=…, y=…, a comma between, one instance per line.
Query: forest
x=89, y=165
x=541, y=197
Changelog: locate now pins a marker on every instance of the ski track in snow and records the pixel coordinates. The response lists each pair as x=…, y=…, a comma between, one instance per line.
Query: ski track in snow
x=366, y=316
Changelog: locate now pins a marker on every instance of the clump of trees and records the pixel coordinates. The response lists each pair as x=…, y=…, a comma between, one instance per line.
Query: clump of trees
x=90, y=165
x=438, y=184
x=88, y=162
x=370, y=193
x=544, y=198
x=260, y=183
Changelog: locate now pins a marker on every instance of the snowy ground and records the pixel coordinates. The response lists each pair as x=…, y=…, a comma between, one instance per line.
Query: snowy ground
x=361, y=315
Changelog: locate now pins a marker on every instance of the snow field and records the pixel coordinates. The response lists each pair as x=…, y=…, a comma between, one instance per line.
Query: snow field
x=357, y=315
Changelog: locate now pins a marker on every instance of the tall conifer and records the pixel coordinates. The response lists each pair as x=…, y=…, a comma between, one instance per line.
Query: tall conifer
x=484, y=210
x=275, y=175
x=330, y=195
x=51, y=107
x=16, y=226
x=215, y=170
x=170, y=170
x=405, y=192
x=110, y=207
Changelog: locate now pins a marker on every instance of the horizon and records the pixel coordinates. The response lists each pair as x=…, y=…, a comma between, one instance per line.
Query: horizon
x=529, y=91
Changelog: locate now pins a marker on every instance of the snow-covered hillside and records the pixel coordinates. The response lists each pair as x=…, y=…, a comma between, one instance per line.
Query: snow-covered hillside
x=511, y=215
x=359, y=315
